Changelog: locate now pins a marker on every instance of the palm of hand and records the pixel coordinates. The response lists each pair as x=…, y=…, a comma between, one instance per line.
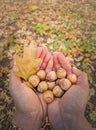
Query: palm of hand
x=72, y=104
x=24, y=97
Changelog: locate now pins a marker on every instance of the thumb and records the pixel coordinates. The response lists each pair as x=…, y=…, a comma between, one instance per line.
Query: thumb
x=14, y=80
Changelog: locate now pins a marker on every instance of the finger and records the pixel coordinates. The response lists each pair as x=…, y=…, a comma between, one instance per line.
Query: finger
x=42, y=56
x=82, y=78
x=56, y=63
x=44, y=105
x=50, y=65
x=46, y=60
x=38, y=52
x=64, y=62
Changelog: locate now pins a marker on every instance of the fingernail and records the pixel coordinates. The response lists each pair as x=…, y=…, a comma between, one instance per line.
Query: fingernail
x=14, y=62
x=74, y=67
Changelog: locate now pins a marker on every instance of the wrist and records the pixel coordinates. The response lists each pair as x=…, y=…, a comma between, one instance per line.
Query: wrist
x=84, y=124
x=73, y=123
x=27, y=122
x=77, y=123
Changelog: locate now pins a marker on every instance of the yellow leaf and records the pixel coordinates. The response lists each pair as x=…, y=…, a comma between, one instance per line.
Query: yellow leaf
x=28, y=84
x=28, y=63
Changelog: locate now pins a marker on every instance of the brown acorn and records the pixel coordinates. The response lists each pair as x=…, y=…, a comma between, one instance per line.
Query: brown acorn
x=41, y=74
x=65, y=84
x=72, y=78
x=51, y=76
x=61, y=73
x=57, y=81
x=34, y=80
x=43, y=86
x=48, y=96
x=51, y=85
x=57, y=91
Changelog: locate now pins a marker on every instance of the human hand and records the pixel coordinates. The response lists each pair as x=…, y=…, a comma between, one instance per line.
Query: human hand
x=30, y=107
x=46, y=59
x=67, y=113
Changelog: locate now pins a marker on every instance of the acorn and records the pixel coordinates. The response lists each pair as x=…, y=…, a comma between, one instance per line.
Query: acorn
x=51, y=76
x=57, y=81
x=57, y=91
x=65, y=84
x=48, y=96
x=43, y=86
x=72, y=78
x=34, y=80
x=61, y=73
x=41, y=74
x=51, y=85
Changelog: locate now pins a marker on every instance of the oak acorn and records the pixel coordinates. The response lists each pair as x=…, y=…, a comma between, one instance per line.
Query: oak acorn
x=43, y=86
x=34, y=80
x=51, y=76
x=72, y=78
x=51, y=85
x=57, y=91
x=48, y=96
x=61, y=73
x=41, y=74
x=65, y=84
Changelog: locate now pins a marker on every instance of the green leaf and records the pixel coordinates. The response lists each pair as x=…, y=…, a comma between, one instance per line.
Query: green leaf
x=41, y=28
x=69, y=44
x=6, y=83
x=34, y=7
x=15, y=17
x=61, y=36
x=93, y=116
x=56, y=45
x=92, y=93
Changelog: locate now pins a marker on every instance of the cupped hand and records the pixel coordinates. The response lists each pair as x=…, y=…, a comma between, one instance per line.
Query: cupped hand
x=29, y=110
x=66, y=113
x=30, y=107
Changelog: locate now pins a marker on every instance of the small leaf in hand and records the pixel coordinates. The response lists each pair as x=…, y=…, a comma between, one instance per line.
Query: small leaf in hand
x=27, y=64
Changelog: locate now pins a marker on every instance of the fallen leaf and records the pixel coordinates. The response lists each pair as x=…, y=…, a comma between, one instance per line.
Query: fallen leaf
x=27, y=64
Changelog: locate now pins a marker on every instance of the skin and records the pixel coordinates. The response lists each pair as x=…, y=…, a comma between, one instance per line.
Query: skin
x=69, y=109
x=46, y=59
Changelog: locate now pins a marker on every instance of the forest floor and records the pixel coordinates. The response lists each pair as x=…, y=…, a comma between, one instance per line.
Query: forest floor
x=65, y=26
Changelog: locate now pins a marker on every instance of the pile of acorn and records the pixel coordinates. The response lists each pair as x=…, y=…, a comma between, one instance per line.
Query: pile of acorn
x=53, y=84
